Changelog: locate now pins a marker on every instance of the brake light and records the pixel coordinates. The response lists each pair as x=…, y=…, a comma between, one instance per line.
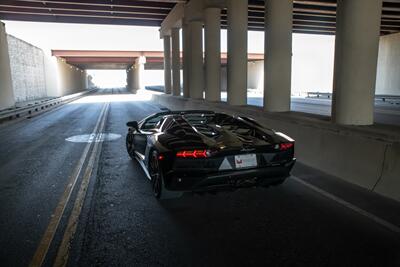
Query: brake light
x=285, y=146
x=202, y=153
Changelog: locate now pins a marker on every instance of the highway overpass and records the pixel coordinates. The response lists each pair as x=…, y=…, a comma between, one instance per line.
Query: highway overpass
x=72, y=196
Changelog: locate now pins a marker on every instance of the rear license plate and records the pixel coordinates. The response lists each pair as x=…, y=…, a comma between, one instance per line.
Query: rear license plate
x=245, y=161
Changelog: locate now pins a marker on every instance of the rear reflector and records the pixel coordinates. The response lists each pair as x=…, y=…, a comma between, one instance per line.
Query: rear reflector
x=192, y=154
x=285, y=146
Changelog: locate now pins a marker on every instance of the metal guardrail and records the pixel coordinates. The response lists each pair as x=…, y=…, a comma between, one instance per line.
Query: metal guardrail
x=387, y=97
x=381, y=97
x=19, y=112
x=318, y=94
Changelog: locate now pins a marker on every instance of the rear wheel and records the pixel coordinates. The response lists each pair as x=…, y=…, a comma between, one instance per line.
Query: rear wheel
x=129, y=146
x=157, y=180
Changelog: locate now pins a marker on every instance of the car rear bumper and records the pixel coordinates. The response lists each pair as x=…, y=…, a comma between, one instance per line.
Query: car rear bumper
x=182, y=181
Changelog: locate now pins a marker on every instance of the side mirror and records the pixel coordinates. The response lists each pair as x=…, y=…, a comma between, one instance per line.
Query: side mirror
x=133, y=124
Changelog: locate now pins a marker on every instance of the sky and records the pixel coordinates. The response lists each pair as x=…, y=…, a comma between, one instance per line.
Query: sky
x=312, y=62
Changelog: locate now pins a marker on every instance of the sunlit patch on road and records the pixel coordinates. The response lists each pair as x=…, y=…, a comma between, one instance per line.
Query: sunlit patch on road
x=141, y=95
x=89, y=138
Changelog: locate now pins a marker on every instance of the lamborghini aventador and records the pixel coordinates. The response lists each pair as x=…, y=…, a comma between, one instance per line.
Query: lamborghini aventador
x=204, y=151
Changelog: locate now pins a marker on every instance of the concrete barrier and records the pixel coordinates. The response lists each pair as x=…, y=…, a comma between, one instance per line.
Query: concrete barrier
x=366, y=156
x=389, y=183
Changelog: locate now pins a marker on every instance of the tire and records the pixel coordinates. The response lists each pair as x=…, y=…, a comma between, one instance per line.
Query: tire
x=130, y=147
x=157, y=180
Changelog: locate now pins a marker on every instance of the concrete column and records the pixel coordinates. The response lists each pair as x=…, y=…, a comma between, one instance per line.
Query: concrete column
x=212, y=28
x=128, y=80
x=6, y=88
x=356, y=55
x=278, y=55
x=186, y=58
x=138, y=71
x=167, y=64
x=85, y=80
x=131, y=76
x=176, y=63
x=237, y=52
x=196, y=74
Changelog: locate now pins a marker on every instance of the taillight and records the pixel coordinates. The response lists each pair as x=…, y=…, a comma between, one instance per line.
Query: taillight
x=201, y=153
x=285, y=146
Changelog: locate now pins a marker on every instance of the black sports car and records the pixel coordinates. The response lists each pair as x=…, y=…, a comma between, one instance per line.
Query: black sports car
x=200, y=151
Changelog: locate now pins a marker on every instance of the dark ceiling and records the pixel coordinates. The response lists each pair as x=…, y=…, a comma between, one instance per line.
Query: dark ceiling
x=310, y=16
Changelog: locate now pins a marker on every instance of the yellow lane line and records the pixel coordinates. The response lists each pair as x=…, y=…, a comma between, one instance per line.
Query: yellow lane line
x=48, y=235
x=64, y=248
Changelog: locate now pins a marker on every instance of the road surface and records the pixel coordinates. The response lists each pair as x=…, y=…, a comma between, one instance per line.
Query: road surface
x=120, y=223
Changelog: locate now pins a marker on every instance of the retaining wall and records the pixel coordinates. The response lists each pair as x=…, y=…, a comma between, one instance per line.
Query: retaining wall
x=27, y=70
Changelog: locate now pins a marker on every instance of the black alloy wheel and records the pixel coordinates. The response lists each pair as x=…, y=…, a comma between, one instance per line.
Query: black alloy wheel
x=156, y=176
x=129, y=146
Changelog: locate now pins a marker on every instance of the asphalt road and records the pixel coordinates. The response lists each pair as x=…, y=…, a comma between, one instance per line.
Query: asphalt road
x=121, y=224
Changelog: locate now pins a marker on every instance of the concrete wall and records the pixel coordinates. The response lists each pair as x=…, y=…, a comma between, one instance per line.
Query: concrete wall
x=388, y=73
x=27, y=70
x=255, y=76
x=6, y=90
x=37, y=74
x=51, y=75
x=224, y=78
x=70, y=79
x=61, y=78
x=367, y=157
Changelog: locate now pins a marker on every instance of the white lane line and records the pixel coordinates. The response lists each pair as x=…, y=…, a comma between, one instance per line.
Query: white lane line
x=370, y=216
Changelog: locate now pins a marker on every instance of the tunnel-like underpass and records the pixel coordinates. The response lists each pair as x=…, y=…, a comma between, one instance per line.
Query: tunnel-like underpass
x=71, y=195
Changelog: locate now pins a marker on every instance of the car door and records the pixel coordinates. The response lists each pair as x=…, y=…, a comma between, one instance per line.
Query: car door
x=148, y=127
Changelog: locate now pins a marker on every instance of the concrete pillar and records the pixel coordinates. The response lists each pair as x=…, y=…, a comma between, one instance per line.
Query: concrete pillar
x=237, y=52
x=186, y=58
x=196, y=74
x=356, y=55
x=131, y=77
x=128, y=80
x=167, y=64
x=84, y=79
x=176, y=63
x=212, y=29
x=138, y=71
x=6, y=88
x=278, y=54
